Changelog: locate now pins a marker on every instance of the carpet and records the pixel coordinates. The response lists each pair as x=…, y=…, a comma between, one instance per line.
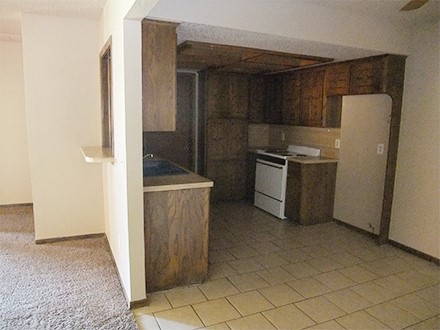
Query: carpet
x=62, y=285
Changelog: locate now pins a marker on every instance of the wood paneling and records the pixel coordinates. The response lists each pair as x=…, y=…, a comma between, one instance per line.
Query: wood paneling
x=158, y=76
x=227, y=139
x=229, y=178
x=367, y=76
x=310, y=192
x=312, y=85
x=257, y=96
x=176, y=238
x=337, y=79
x=250, y=175
x=291, y=100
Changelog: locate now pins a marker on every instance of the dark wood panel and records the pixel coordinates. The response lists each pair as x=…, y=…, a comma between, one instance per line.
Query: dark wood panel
x=176, y=238
x=257, y=96
x=291, y=100
x=229, y=178
x=250, y=175
x=273, y=100
x=158, y=76
x=312, y=85
x=310, y=192
x=367, y=77
x=337, y=79
x=226, y=139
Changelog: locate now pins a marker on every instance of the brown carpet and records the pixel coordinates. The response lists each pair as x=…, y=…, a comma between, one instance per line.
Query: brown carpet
x=64, y=285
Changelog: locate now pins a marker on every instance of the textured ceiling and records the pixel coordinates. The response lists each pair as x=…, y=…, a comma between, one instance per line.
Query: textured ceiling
x=10, y=11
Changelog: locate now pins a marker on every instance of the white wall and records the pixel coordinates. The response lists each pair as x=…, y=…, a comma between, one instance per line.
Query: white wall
x=61, y=70
x=415, y=218
x=15, y=176
x=123, y=180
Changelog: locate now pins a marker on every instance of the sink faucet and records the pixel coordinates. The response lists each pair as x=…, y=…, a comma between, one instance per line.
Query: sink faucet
x=148, y=156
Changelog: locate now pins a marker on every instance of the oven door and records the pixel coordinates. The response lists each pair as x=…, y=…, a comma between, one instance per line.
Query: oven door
x=270, y=179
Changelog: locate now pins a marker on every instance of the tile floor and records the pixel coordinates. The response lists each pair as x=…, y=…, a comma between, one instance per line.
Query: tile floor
x=269, y=274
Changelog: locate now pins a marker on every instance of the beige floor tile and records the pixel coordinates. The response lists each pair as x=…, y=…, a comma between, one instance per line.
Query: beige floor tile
x=301, y=269
x=220, y=270
x=287, y=244
x=216, y=311
x=361, y=321
x=244, y=252
x=348, y=300
x=316, y=251
x=248, y=282
x=417, y=279
x=320, y=309
x=276, y=275
x=395, y=285
x=280, y=295
x=266, y=247
x=358, y=274
x=218, y=289
x=430, y=324
x=346, y=259
x=324, y=264
x=335, y=280
x=250, y=303
x=147, y=322
x=309, y=287
x=373, y=292
x=392, y=316
x=264, y=237
x=416, y=306
x=185, y=296
x=218, y=326
x=271, y=260
x=220, y=256
x=330, y=325
x=288, y=317
x=245, y=265
x=431, y=294
x=294, y=255
x=252, y=322
x=179, y=318
x=156, y=302
x=379, y=267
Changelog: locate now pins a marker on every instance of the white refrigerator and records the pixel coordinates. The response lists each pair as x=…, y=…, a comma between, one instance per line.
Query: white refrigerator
x=362, y=162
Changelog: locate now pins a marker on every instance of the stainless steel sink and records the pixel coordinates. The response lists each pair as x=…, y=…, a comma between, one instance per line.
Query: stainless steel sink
x=160, y=167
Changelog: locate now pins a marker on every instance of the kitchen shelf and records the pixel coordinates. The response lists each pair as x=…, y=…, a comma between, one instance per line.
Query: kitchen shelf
x=97, y=155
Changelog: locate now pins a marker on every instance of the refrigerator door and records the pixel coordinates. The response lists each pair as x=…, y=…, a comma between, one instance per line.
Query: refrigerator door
x=361, y=168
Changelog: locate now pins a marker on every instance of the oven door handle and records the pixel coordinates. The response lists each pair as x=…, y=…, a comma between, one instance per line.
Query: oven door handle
x=263, y=162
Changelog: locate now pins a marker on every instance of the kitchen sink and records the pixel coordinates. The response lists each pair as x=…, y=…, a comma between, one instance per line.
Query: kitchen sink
x=160, y=167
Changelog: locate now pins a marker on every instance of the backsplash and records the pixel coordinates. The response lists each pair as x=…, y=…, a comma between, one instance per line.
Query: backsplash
x=266, y=135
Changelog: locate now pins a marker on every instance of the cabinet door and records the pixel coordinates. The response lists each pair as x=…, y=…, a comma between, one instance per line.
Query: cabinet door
x=312, y=84
x=257, y=96
x=367, y=77
x=291, y=100
x=158, y=76
x=273, y=101
x=238, y=100
x=293, y=191
x=337, y=79
x=217, y=90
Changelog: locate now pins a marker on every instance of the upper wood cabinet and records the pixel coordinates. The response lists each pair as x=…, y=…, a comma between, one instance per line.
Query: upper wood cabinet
x=273, y=100
x=291, y=100
x=312, y=87
x=367, y=76
x=337, y=79
x=227, y=95
x=158, y=76
x=257, y=96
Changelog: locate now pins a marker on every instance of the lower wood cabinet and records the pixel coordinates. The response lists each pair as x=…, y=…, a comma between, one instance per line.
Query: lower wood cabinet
x=310, y=192
x=176, y=237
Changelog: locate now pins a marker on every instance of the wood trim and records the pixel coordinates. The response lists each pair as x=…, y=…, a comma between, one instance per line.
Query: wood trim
x=415, y=252
x=16, y=205
x=67, y=238
x=139, y=303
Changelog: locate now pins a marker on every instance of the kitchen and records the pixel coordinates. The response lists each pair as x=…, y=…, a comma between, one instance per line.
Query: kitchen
x=251, y=99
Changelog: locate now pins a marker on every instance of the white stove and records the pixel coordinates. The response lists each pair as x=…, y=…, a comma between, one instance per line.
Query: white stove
x=271, y=177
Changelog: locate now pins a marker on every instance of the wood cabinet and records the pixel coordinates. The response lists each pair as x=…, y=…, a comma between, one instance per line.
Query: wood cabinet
x=176, y=237
x=310, y=192
x=337, y=79
x=367, y=76
x=291, y=100
x=312, y=87
x=257, y=97
x=158, y=76
x=250, y=175
x=273, y=100
x=227, y=95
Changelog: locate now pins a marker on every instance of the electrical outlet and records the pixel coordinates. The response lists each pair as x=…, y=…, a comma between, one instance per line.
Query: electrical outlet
x=283, y=136
x=337, y=143
x=380, y=148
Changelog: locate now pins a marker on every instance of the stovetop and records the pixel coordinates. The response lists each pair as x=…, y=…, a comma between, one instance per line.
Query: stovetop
x=291, y=151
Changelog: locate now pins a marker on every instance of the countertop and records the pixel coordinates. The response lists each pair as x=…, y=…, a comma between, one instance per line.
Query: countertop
x=306, y=159
x=176, y=182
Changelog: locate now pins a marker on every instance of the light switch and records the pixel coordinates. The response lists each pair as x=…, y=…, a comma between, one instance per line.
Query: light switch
x=337, y=143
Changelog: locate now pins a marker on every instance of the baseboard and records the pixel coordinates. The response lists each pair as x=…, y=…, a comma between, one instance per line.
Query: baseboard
x=138, y=303
x=16, y=205
x=68, y=238
x=356, y=229
x=414, y=252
